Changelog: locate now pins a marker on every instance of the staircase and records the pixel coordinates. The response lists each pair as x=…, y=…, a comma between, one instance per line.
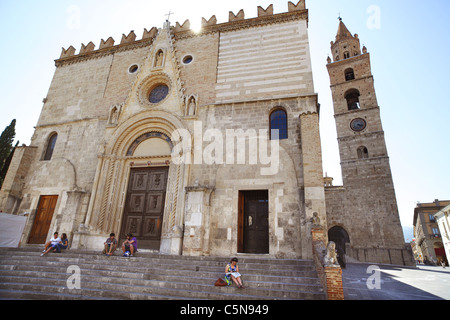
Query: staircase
x=24, y=274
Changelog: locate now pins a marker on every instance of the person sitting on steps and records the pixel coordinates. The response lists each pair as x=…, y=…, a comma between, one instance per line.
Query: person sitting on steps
x=51, y=244
x=130, y=245
x=110, y=245
x=63, y=243
x=232, y=271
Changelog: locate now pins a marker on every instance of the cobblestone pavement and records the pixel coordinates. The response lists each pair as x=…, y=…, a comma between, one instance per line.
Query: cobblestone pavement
x=385, y=282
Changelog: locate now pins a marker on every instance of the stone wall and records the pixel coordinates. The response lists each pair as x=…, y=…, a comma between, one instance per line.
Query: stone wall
x=287, y=214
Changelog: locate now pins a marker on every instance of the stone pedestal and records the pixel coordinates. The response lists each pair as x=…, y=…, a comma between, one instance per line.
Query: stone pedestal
x=173, y=244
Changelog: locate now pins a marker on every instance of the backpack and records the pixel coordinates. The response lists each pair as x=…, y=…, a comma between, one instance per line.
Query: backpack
x=220, y=283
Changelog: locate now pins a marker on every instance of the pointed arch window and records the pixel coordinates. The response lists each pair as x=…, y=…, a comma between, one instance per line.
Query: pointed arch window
x=50, y=147
x=278, y=121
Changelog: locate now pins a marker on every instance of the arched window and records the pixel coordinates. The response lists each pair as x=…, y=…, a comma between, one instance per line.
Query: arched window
x=363, y=153
x=50, y=147
x=278, y=121
x=349, y=74
x=352, y=97
x=346, y=55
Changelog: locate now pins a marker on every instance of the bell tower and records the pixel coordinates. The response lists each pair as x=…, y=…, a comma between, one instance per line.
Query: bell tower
x=367, y=208
x=356, y=110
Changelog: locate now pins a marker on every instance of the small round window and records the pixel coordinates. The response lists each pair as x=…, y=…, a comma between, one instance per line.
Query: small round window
x=133, y=69
x=158, y=93
x=188, y=59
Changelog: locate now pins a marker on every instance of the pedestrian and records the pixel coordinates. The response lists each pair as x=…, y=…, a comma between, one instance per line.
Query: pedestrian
x=232, y=272
x=341, y=257
x=130, y=245
x=110, y=245
x=63, y=243
x=51, y=244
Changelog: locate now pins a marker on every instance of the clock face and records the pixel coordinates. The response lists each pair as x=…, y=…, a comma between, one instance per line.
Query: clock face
x=358, y=125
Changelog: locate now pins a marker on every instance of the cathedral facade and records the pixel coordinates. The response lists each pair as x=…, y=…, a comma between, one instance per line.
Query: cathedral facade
x=207, y=143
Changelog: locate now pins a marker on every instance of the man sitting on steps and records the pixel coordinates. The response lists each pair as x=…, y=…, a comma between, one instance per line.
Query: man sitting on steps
x=130, y=245
x=110, y=245
x=51, y=244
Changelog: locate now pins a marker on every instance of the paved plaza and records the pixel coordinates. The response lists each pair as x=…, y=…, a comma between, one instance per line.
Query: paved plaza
x=386, y=282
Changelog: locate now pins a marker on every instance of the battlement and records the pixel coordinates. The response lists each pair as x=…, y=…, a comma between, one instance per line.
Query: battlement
x=108, y=45
x=235, y=21
x=238, y=20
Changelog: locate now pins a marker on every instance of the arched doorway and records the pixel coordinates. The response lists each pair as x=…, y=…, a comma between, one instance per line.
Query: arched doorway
x=146, y=193
x=340, y=237
x=136, y=158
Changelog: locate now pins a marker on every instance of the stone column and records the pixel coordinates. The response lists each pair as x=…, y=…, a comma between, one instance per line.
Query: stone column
x=313, y=187
x=73, y=215
x=197, y=220
x=85, y=237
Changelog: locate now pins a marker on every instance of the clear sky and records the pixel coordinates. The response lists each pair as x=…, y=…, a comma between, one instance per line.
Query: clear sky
x=408, y=42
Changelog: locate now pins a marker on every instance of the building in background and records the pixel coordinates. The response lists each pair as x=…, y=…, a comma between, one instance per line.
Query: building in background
x=427, y=235
x=443, y=221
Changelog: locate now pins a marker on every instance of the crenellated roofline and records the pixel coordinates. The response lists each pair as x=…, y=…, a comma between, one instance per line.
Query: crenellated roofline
x=181, y=31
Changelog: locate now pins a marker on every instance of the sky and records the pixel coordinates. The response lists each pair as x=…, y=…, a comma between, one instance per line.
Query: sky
x=407, y=40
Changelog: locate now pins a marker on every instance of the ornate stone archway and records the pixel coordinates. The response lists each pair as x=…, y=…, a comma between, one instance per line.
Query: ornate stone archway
x=113, y=171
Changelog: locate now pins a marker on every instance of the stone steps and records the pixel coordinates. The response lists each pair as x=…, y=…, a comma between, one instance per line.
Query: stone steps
x=26, y=275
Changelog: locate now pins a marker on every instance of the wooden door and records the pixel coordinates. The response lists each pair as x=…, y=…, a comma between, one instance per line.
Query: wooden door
x=44, y=215
x=144, y=210
x=253, y=230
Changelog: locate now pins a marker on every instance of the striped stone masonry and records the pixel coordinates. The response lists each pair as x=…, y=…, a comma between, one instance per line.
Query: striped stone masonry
x=270, y=61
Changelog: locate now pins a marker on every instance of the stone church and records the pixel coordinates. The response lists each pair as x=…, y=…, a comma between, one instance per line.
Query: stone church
x=207, y=143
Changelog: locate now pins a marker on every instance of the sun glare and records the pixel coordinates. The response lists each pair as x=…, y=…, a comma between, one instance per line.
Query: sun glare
x=196, y=26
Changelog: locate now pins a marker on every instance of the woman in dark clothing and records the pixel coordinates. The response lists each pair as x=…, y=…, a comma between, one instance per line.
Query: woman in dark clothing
x=63, y=244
